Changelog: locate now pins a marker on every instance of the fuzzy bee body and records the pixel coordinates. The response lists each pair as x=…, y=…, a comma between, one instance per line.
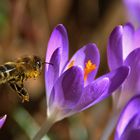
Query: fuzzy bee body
x=15, y=73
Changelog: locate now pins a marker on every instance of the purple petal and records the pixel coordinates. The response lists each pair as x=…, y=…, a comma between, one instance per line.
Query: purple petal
x=52, y=73
x=2, y=120
x=102, y=88
x=81, y=57
x=133, y=7
x=58, y=39
x=117, y=77
x=114, y=49
x=132, y=130
x=91, y=93
x=120, y=45
x=137, y=38
x=128, y=39
x=127, y=116
x=132, y=84
x=67, y=89
x=133, y=135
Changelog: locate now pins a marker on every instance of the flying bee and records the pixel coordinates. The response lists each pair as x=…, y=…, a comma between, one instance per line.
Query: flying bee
x=15, y=73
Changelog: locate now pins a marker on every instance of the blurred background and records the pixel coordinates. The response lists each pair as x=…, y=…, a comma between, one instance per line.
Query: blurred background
x=25, y=27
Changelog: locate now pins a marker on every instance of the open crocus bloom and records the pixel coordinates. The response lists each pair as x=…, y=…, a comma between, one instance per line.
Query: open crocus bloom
x=2, y=120
x=128, y=126
x=124, y=49
x=133, y=8
x=70, y=85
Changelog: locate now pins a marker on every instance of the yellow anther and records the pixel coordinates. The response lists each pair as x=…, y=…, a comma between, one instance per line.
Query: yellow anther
x=88, y=69
x=71, y=64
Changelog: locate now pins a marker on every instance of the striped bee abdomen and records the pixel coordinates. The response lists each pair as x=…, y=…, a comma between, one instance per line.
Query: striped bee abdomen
x=6, y=72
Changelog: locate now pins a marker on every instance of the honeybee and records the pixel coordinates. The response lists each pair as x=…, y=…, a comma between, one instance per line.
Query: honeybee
x=15, y=73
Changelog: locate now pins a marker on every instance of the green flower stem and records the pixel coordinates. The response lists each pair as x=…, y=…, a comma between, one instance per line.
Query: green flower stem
x=27, y=123
x=44, y=129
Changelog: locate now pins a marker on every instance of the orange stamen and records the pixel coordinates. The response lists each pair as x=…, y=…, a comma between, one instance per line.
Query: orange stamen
x=71, y=64
x=88, y=69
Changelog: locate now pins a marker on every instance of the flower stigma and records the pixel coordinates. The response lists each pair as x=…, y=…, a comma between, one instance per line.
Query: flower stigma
x=88, y=69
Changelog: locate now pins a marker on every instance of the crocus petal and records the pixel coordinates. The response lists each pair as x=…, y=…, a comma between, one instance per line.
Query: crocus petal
x=2, y=120
x=102, y=87
x=67, y=90
x=133, y=135
x=58, y=39
x=114, y=49
x=120, y=45
x=52, y=73
x=128, y=114
x=132, y=130
x=128, y=39
x=132, y=84
x=137, y=38
x=81, y=57
x=133, y=7
x=91, y=93
x=117, y=77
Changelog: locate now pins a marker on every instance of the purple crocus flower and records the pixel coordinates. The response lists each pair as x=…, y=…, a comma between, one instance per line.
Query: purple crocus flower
x=124, y=49
x=133, y=8
x=2, y=120
x=71, y=86
x=128, y=126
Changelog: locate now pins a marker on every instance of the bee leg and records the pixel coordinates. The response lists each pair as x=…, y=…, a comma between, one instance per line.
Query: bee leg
x=22, y=92
x=22, y=78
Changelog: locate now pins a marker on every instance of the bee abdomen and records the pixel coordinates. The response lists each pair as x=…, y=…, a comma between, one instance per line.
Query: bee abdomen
x=5, y=72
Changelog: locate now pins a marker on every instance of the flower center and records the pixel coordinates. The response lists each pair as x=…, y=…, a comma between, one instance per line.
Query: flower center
x=88, y=69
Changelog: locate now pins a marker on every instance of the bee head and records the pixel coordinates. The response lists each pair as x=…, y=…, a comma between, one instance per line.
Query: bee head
x=37, y=63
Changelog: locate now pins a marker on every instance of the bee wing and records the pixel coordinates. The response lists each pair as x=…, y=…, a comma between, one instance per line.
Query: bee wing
x=10, y=66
